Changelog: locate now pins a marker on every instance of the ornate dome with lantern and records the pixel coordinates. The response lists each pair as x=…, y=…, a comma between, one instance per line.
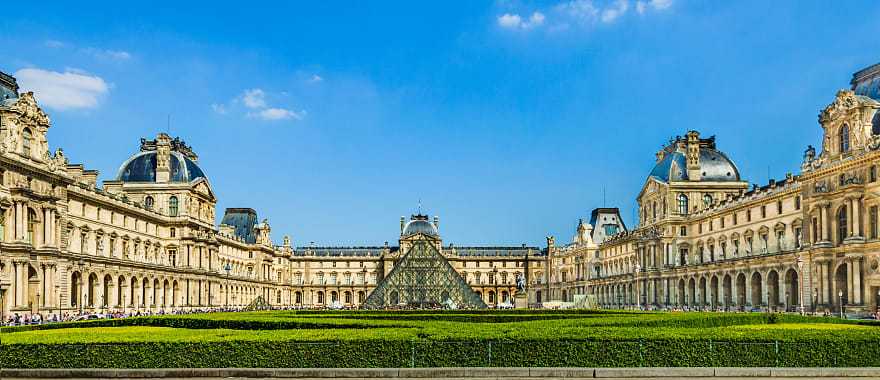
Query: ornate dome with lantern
x=181, y=164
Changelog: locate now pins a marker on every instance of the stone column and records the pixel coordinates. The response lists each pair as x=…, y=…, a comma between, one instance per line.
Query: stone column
x=857, y=281
x=823, y=282
x=857, y=216
x=764, y=294
x=19, y=221
x=21, y=283
x=734, y=292
x=849, y=281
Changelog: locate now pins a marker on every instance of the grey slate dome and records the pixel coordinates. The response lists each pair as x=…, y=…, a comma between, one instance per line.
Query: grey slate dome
x=141, y=167
x=715, y=166
x=420, y=226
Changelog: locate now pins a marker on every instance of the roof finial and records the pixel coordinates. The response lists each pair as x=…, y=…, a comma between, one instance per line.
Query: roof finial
x=420, y=206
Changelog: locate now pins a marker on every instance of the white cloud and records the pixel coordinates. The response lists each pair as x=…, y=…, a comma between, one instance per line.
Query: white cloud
x=62, y=91
x=643, y=5
x=108, y=55
x=219, y=108
x=258, y=108
x=614, y=11
x=661, y=4
x=272, y=114
x=54, y=44
x=254, y=98
x=508, y=20
x=315, y=78
x=515, y=21
x=582, y=11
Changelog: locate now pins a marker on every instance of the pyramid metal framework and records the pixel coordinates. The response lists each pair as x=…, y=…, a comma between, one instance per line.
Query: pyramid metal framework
x=423, y=278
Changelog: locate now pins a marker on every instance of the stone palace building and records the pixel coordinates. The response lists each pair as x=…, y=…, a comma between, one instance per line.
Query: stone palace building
x=708, y=239
x=148, y=239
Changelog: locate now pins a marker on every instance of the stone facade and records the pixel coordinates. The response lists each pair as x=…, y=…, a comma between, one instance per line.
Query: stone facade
x=707, y=240
x=148, y=239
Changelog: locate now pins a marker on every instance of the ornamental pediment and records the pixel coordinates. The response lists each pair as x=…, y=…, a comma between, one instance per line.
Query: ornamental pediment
x=31, y=113
x=843, y=104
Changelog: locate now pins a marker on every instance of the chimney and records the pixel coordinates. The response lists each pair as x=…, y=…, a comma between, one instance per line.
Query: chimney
x=402, y=223
x=693, y=156
x=437, y=223
x=163, y=158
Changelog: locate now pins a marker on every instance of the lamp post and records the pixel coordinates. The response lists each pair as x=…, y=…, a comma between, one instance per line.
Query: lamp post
x=800, y=264
x=840, y=302
x=365, y=287
x=495, y=282
x=638, y=293
x=58, y=292
x=815, y=299
x=227, y=268
x=81, y=264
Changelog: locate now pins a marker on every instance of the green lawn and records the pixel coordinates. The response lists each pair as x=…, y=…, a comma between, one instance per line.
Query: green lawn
x=482, y=338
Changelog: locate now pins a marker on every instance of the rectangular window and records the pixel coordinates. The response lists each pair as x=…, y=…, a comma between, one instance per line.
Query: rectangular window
x=797, y=202
x=683, y=231
x=873, y=222
x=722, y=222
x=701, y=228
x=779, y=207
x=710, y=224
x=733, y=218
x=797, y=237
x=749, y=215
x=763, y=211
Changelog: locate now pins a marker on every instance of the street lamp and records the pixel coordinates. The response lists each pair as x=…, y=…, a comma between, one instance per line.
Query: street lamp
x=365, y=286
x=800, y=264
x=840, y=302
x=58, y=292
x=227, y=268
x=495, y=282
x=636, y=280
x=81, y=264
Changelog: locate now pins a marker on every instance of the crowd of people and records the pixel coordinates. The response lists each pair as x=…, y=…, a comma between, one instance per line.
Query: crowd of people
x=17, y=319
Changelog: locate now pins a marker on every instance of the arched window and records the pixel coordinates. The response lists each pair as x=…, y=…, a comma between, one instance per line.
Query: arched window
x=844, y=138
x=707, y=200
x=148, y=202
x=841, y=224
x=875, y=124
x=682, y=204
x=27, y=139
x=31, y=225
x=172, y=206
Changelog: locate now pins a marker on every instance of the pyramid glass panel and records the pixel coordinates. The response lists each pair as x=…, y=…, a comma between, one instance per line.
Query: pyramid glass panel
x=423, y=279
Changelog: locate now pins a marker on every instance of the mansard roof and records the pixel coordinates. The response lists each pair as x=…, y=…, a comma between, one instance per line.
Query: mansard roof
x=243, y=220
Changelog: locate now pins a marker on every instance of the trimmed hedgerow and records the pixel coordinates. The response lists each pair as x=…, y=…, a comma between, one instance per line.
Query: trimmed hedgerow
x=403, y=353
x=428, y=339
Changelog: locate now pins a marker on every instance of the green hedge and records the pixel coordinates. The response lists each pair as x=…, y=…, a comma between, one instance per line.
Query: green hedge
x=425, y=353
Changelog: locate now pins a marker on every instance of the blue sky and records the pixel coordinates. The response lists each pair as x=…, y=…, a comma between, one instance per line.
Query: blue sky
x=507, y=119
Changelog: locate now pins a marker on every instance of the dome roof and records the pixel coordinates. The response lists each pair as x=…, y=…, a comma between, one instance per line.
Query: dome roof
x=715, y=166
x=420, y=226
x=142, y=168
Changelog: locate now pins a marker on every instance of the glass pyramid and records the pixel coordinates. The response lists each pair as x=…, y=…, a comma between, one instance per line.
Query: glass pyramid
x=423, y=279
